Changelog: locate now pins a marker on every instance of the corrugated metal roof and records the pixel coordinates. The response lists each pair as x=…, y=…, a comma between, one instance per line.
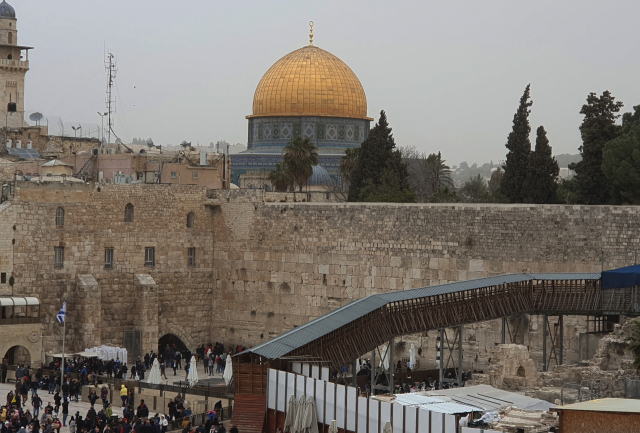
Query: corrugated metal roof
x=417, y=399
x=323, y=325
x=624, y=405
x=486, y=396
x=451, y=407
x=436, y=404
x=297, y=337
x=483, y=403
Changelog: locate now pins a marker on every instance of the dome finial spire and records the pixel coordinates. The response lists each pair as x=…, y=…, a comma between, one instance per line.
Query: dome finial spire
x=311, y=33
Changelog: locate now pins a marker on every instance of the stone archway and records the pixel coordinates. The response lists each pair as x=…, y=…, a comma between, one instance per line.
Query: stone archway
x=18, y=355
x=180, y=333
x=173, y=341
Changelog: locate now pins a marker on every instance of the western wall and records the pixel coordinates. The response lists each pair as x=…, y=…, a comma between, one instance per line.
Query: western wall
x=265, y=264
x=280, y=264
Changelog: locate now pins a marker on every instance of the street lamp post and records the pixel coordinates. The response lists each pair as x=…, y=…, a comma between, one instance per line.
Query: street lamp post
x=102, y=129
x=75, y=136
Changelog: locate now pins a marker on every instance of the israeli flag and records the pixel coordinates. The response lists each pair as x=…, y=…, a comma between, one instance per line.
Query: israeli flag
x=63, y=313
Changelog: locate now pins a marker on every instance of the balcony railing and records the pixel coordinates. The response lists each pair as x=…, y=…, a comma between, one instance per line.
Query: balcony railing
x=15, y=63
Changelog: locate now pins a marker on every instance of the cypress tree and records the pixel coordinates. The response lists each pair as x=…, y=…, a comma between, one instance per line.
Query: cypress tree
x=542, y=176
x=519, y=145
x=621, y=161
x=380, y=174
x=598, y=127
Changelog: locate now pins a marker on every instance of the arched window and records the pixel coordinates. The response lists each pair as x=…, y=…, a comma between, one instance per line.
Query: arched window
x=10, y=38
x=128, y=213
x=60, y=216
x=10, y=57
x=191, y=219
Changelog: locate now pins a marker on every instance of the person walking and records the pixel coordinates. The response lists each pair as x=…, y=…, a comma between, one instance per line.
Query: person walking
x=143, y=411
x=24, y=391
x=72, y=425
x=36, y=402
x=163, y=370
x=124, y=394
x=65, y=411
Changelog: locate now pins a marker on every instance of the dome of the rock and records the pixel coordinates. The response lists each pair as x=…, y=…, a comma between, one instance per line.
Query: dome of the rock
x=310, y=82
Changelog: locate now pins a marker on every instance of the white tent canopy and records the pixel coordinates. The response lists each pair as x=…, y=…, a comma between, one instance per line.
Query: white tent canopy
x=154, y=374
x=384, y=358
x=228, y=371
x=107, y=353
x=412, y=356
x=193, y=372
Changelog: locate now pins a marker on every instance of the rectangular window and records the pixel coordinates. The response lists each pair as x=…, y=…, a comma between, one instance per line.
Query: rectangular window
x=195, y=174
x=192, y=256
x=150, y=256
x=59, y=256
x=174, y=174
x=3, y=278
x=108, y=257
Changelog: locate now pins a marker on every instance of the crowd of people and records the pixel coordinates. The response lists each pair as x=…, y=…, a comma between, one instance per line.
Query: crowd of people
x=25, y=412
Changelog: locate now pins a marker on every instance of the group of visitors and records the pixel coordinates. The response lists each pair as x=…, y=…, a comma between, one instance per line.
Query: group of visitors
x=211, y=425
x=25, y=411
x=16, y=417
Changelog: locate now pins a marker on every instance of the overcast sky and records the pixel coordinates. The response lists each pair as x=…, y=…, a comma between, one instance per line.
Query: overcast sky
x=448, y=74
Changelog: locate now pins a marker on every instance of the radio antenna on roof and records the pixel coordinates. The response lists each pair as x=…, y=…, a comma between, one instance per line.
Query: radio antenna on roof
x=111, y=68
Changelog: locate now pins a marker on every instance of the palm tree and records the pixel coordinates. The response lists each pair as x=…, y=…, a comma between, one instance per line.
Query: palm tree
x=427, y=174
x=300, y=155
x=634, y=342
x=280, y=177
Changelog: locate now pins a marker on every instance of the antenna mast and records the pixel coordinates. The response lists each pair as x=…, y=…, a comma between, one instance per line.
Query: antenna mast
x=111, y=68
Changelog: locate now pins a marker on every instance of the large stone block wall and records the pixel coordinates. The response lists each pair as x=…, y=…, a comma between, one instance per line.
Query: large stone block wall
x=181, y=299
x=279, y=265
x=7, y=217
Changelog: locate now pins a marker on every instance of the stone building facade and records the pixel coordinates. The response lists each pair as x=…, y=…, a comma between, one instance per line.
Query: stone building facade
x=172, y=295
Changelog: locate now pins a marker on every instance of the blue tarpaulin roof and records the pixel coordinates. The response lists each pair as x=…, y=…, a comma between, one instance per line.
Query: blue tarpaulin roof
x=620, y=278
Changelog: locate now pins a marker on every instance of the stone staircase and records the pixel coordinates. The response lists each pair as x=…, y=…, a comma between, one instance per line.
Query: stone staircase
x=249, y=413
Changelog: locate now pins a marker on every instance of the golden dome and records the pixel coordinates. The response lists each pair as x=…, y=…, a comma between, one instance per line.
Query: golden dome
x=310, y=82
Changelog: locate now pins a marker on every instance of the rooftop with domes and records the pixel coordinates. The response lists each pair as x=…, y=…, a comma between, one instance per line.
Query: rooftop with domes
x=6, y=10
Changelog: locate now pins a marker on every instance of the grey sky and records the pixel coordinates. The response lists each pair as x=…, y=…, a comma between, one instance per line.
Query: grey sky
x=449, y=74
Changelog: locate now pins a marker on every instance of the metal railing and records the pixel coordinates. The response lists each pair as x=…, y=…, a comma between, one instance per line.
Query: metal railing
x=201, y=418
x=184, y=388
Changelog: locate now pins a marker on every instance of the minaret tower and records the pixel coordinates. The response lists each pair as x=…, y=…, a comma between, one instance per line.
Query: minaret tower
x=14, y=64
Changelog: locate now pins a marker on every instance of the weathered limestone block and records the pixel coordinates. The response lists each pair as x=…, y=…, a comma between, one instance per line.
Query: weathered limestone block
x=146, y=310
x=88, y=305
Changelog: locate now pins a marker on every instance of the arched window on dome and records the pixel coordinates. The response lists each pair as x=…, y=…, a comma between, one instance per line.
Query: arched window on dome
x=10, y=38
x=128, y=213
x=191, y=220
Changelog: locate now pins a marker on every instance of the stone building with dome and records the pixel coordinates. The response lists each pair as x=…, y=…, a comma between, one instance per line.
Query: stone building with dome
x=309, y=93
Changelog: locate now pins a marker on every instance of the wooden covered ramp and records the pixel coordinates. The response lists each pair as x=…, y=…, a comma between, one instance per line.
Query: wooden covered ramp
x=343, y=335
x=339, y=337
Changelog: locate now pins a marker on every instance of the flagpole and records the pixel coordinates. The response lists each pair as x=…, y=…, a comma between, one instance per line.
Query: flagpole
x=64, y=332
